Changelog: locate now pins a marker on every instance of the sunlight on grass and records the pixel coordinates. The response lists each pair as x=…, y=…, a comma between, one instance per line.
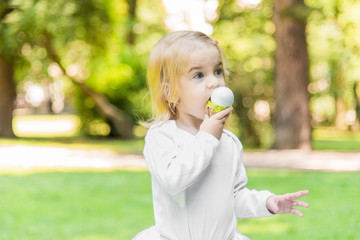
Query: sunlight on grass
x=333, y=139
x=334, y=134
x=46, y=125
x=264, y=225
x=63, y=131
x=94, y=237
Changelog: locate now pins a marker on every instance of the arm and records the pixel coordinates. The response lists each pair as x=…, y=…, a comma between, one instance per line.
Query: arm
x=248, y=203
x=174, y=167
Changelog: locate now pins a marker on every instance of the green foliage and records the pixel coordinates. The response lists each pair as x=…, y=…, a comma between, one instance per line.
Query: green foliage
x=249, y=48
x=334, y=59
x=298, y=11
x=67, y=20
x=333, y=46
x=91, y=38
x=120, y=71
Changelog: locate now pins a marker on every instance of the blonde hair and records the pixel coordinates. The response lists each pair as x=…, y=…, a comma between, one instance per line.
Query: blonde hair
x=167, y=59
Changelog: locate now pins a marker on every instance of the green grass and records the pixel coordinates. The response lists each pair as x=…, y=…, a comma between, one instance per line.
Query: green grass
x=332, y=139
x=340, y=145
x=333, y=213
x=74, y=205
x=117, y=205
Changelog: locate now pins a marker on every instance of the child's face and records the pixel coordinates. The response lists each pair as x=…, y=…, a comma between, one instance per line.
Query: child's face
x=203, y=73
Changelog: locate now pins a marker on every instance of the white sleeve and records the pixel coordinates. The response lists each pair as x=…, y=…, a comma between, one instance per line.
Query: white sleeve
x=177, y=167
x=248, y=203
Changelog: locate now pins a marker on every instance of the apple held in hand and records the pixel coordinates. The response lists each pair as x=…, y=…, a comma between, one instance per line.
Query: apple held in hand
x=221, y=98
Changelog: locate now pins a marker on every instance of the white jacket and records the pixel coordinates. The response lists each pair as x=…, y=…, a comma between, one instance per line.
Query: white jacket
x=198, y=184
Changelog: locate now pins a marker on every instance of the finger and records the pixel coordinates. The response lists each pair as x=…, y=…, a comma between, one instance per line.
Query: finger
x=227, y=115
x=297, y=212
x=208, y=112
x=223, y=120
x=296, y=195
x=300, y=204
x=303, y=193
x=206, y=117
x=222, y=114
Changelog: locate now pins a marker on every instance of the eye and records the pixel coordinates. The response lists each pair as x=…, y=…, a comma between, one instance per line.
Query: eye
x=219, y=72
x=199, y=76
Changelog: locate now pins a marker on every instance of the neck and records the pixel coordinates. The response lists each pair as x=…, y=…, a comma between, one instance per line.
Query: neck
x=191, y=125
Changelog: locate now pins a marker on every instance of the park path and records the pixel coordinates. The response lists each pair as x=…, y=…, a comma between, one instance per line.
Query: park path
x=21, y=157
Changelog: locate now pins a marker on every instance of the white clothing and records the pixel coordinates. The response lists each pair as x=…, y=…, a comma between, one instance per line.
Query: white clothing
x=152, y=234
x=198, y=185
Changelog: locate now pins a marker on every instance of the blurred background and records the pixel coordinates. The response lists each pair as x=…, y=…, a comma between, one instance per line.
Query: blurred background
x=78, y=68
x=73, y=77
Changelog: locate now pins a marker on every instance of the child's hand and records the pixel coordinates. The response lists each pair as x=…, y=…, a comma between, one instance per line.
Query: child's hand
x=215, y=124
x=285, y=203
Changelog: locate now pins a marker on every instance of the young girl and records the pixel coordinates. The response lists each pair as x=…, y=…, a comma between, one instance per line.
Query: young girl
x=197, y=172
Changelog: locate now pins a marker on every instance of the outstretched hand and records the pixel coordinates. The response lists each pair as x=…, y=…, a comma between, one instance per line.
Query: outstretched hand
x=286, y=203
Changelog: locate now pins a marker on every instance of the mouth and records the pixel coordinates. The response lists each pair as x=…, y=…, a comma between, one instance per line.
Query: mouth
x=206, y=104
x=207, y=108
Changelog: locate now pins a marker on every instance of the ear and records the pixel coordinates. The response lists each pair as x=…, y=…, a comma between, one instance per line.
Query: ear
x=166, y=91
x=168, y=94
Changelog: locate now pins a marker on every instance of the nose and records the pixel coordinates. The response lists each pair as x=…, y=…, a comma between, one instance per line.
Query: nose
x=215, y=82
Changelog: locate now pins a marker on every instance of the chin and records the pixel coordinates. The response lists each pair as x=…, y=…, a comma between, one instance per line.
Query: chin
x=200, y=118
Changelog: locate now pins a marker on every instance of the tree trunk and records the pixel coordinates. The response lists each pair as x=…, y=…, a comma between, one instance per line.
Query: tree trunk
x=356, y=126
x=118, y=118
x=292, y=119
x=7, y=97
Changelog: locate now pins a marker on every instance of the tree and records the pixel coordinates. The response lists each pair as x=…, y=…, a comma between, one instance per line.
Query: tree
x=292, y=120
x=34, y=23
x=119, y=120
x=7, y=86
x=7, y=96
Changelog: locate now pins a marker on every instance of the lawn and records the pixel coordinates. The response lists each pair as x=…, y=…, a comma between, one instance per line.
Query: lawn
x=74, y=205
x=332, y=139
x=117, y=205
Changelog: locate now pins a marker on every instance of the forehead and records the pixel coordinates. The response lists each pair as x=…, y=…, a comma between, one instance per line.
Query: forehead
x=204, y=56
